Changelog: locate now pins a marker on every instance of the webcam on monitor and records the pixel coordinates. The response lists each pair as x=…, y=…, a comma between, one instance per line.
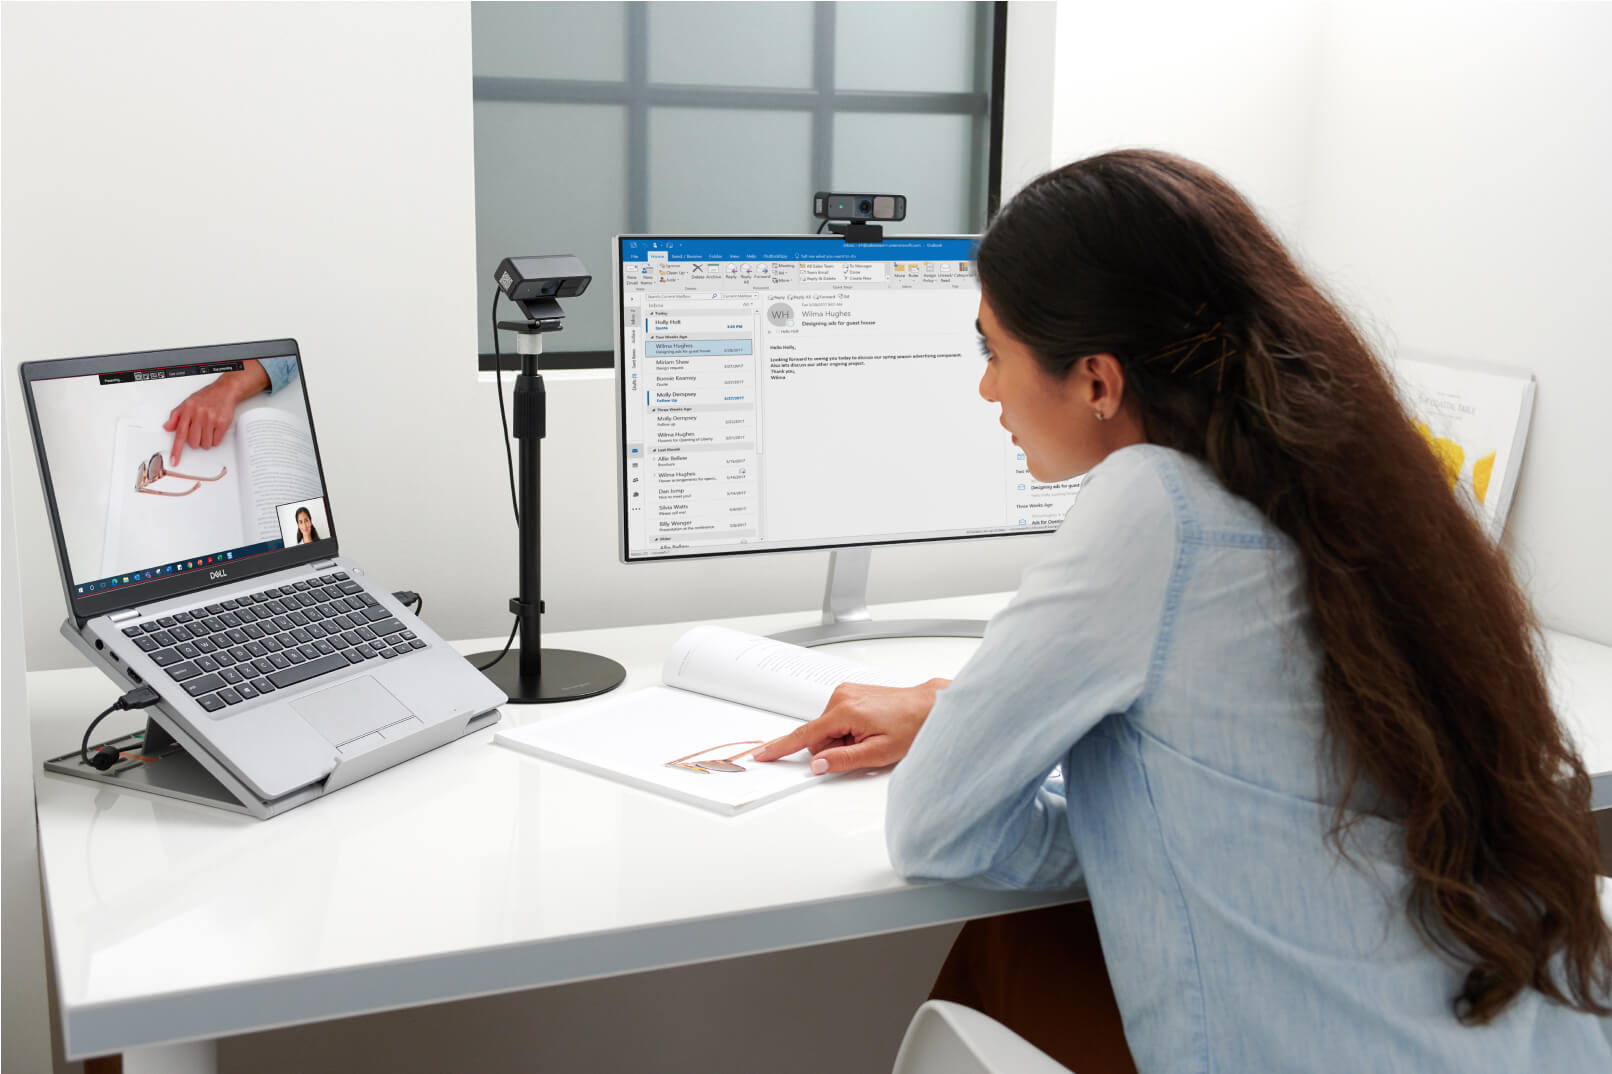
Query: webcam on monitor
x=534, y=283
x=859, y=207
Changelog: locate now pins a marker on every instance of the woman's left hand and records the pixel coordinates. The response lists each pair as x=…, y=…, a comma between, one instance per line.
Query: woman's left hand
x=862, y=727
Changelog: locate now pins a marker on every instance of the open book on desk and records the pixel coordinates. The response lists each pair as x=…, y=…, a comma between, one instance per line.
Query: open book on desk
x=265, y=460
x=724, y=692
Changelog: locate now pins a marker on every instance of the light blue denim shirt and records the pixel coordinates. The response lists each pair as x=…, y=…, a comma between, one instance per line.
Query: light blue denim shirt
x=280, y=371
x=1162, y=654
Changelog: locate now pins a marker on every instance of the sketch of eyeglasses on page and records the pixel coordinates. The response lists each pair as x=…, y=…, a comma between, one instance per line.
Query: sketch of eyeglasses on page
x=152, y=470
x=722, y=764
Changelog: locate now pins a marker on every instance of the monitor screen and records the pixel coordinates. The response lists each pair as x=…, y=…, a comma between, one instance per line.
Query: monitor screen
x=784, y=392
x=158, y=475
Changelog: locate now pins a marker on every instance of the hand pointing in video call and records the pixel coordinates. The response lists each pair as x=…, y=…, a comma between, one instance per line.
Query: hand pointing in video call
x=202, y=419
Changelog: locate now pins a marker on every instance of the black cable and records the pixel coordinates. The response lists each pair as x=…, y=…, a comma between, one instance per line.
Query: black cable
x=138, y=698
x=406, y=597
x=821, y=226
x=509, y=459
x=505, y=649
x=498, y=373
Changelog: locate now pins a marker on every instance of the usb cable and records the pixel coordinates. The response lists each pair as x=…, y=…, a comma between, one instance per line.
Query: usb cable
x=141, y=697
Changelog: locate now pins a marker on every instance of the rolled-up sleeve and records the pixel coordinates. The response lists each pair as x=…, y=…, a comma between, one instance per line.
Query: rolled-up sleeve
x=281, y=371
x=972, y=800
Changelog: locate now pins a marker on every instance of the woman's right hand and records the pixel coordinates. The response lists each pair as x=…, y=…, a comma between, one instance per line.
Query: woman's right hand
x=862, y=727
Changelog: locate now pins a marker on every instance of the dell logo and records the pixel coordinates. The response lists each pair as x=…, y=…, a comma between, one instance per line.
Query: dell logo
x=216, y=575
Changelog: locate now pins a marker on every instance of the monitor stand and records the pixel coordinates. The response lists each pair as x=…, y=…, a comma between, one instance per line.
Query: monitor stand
x=846, y=616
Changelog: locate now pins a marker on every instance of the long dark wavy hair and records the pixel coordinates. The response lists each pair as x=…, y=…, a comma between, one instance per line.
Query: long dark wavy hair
x=1431, y=677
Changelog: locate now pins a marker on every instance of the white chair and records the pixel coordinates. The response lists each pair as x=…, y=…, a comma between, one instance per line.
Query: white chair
x=948, y=1038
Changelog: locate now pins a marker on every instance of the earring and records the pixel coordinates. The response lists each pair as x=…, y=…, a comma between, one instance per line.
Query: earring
x=1100, y=416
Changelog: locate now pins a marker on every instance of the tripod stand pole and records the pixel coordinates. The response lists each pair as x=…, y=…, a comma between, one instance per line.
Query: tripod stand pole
x=538, y=674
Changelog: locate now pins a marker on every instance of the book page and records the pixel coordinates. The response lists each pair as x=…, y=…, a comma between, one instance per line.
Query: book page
x=277, y=453
x=768, y=674
x=631, y=738
x=144, y=529
x=1476, y=422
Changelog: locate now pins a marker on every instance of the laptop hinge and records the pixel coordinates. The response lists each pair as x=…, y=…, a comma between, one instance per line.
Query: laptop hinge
x=324, y=564
x=124, y=616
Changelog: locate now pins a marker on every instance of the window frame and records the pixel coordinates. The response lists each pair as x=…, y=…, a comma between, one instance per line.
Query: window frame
x=823, y=100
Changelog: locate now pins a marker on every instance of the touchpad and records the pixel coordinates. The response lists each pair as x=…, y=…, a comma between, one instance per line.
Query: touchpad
x=343, y=713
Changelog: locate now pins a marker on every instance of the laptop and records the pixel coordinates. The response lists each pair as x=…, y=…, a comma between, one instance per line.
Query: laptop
x=204, y=561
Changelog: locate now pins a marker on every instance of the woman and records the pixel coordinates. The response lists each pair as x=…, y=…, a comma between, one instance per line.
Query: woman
x=305, y=530
x=1272, y=697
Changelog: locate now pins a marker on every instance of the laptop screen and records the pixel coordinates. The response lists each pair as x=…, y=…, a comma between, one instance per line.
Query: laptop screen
x=168, y=471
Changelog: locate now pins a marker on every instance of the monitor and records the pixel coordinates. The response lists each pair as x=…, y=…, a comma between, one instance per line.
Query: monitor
x=779, y=393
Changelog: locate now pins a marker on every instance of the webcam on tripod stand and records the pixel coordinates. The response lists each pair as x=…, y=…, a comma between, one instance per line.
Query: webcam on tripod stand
x=536, y=283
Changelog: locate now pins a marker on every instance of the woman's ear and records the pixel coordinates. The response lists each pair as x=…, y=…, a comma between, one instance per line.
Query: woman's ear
x=1104, y=383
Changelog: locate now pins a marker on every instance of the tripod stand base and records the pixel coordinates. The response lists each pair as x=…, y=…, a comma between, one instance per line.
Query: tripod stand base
x=567, y=675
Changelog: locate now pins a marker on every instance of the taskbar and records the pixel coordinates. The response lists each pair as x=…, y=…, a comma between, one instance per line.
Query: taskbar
x=183, y=566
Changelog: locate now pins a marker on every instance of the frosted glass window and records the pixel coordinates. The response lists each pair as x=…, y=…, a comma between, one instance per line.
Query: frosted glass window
x=598, y=118
x=731, y=44
x=909, y=47
x=550, y=202
x=549, y=40
x=714, y=170
x=933, y=160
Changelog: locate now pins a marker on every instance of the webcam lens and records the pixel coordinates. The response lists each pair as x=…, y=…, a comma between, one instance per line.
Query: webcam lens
x=865, y=206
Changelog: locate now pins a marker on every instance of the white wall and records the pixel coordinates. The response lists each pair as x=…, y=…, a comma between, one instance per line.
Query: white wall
x=1231, y=84
x=1443, y=170
x=1460, y=198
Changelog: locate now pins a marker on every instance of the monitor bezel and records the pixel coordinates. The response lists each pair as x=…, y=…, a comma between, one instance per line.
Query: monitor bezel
x=90, y=605
x=620, y=405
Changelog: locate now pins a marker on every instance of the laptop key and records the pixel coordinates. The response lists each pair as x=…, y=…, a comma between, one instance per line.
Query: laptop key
x=211, y=702
x=130, y=632
x=387, y=626
x=245, y=690
x=188, y=651
x=304, y=672
x=147, y=644
x=207, y=663
x=353, y=656
x=416, y=643
x=229, y=696
x=183, y=670
x=164, y=657
x=231, y=676
x=167, y=620
x=205, y=684
x=400, y=650
x=262, y=686
x=279, y=661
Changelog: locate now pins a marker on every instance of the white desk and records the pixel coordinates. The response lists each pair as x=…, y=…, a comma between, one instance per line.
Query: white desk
x=468, y=871
x=476, y=870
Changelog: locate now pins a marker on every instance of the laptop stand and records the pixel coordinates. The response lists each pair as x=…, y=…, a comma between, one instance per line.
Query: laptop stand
x=176, y=771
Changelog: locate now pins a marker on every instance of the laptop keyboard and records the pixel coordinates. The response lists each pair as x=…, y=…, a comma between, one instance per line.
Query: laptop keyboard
x=239, y=649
